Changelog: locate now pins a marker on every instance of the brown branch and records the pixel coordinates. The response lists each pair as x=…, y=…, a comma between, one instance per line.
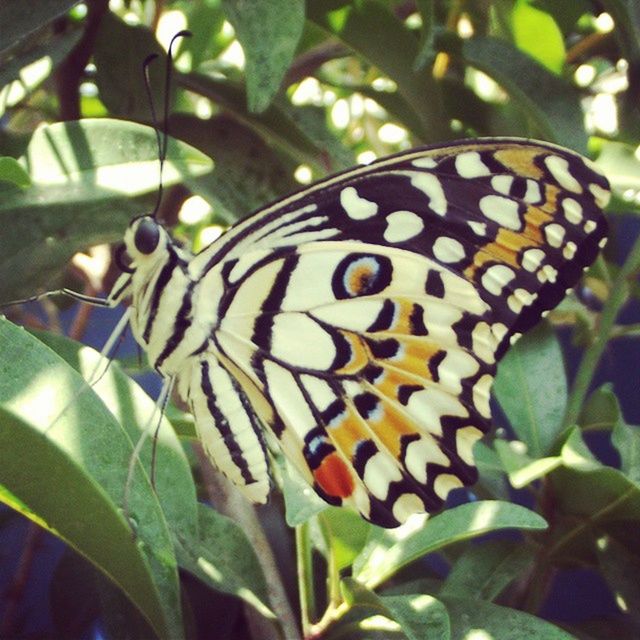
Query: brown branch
x=71, y=70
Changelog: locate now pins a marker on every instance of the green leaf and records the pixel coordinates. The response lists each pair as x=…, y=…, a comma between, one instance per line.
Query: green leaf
x=531, y=387
x=346, y=532
x=85, y=176
x=551, y=103
x=12, y=171
x=25, y=71
x=427, y=51
x=65, y=459
x=376, y=34
x=536, y=32
x=585, y=488
x=483, y=571
x=119, y=72
x=248, y=172
x=222, y=557
x=470, y=617
x=382, y=558
x=521, y=468
x=269, y=31
x=19, y=20
x=602, y=409
x=276, y=124
x=301, y=501
x=419, y=616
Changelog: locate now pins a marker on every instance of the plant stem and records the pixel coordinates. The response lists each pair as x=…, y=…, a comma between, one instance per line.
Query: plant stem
x=305, y=577
x=586, y=369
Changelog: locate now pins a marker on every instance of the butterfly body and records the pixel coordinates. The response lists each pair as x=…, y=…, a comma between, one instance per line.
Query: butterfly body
x=361, y=320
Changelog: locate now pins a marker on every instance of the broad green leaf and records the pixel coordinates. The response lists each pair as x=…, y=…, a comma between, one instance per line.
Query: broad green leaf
x=536, y=33
x=248, y=173
x=208, y=39
x=300, y=500
x=133, y=409
x=420, y=616
x=531, y=388
x=85, y=176
x=474, y=618
x=586, y=488
x=25, y=71
x=222, y=557
x=269, y=31
x=275, y=124
x=375, y=33
x=346, y=532
x=551, y=103
x=19, y=19
x=12, y=171
x=602, y=410
x=381, y=559
x=119, y=70
x=64, y=465
x=483, y=571
x=522, y=469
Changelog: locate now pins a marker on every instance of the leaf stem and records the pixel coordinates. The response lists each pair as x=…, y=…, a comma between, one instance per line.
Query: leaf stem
x=305, y=577
x=586, y=369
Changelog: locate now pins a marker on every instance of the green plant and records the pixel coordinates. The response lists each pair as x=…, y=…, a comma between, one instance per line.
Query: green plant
x=334, y=82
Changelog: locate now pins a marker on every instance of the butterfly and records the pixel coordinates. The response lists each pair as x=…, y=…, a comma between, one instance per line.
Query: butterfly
x=358, y=323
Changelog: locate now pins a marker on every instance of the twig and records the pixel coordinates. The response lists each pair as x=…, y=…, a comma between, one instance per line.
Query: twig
x=232, y=504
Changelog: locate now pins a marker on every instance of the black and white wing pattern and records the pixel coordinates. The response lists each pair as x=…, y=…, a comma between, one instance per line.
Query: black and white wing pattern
x=362, y=318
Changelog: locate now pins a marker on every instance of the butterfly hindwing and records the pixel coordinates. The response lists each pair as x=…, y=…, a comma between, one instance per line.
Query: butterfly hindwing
x=368, y=312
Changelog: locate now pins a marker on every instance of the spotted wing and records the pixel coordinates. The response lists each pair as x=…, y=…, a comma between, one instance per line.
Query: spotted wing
x=369, y=311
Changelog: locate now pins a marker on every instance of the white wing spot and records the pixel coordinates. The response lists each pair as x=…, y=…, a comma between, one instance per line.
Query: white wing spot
x=502, y=210
x=402, y=225
x=554, y=233
x=496, y=278
x=448, y=250
x=466, y=437
x=444, y=483
x=379, y=472
x=481, y=395
x=569, y=250
x=502, y=184
x=572, y=210
x=431, y=187
x=356, y=207
x=532, y=259
x=548, y=274
x=589, y=226
x=406, y=505
x=424, y=163
x=533, y=193
x=484, y=342
x=601, y=195
x=519, y=299
x=603, y=243
x=469, y=165
x=499, y=330
x=559, y=168
x=479, y=228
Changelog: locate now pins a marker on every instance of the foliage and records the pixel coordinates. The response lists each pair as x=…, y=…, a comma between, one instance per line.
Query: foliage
x=320, y=85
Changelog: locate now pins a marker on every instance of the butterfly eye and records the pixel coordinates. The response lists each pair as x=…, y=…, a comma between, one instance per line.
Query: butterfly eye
x=147, y=236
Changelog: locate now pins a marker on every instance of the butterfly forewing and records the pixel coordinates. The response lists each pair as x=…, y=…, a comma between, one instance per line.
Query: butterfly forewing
x=362, y=318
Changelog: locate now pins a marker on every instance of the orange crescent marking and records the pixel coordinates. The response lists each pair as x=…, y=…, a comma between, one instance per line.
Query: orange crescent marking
x=333, y=477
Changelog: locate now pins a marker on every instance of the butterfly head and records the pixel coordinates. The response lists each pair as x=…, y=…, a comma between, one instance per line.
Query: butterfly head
x=144, y=242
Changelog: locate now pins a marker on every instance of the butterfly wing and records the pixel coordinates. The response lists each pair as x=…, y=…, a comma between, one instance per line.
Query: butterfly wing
x=369, y=311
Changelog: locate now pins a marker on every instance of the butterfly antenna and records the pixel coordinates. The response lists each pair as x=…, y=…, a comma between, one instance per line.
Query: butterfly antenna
x=162, y=138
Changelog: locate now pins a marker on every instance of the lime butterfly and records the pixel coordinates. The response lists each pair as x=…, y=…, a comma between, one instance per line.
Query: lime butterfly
x=358, y=323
